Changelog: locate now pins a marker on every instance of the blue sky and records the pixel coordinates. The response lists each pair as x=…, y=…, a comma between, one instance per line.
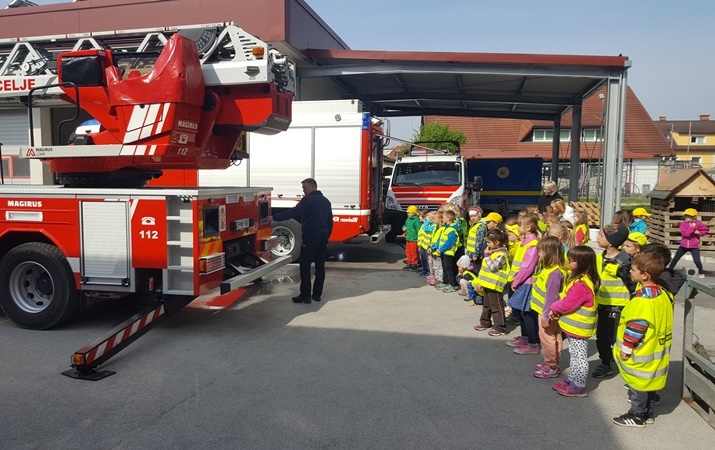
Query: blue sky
x=670, y=43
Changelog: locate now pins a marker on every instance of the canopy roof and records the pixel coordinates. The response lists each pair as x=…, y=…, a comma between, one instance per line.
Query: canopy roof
x=506, y=85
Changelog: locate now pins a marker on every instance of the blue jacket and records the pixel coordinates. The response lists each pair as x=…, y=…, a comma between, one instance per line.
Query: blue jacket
x=315, y=213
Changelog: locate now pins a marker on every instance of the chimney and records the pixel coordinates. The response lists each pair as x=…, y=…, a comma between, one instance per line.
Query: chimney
x=705, y=117
x=662, y=118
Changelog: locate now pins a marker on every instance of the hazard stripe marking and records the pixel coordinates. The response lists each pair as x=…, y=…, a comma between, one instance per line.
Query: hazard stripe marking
x=123, y=335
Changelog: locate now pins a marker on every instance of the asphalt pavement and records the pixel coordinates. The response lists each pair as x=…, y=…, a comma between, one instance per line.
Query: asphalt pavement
x=384, y=361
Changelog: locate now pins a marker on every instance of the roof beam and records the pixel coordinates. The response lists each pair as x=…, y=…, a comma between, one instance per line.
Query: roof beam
x=406, y=112
x=490, y=98
x=386, y=68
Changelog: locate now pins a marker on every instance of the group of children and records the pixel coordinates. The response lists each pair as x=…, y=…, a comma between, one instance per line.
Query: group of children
x=557, y=286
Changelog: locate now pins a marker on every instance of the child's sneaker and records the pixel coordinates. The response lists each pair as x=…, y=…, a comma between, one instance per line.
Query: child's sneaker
x=602, y=371
x=407, y=267
x=462, y=292
x=540, y=366
x=701, y=275
x=429, y=279
x=547, y=372
x=511, y=320
x=630, y=420
x=440, y=286
x=572, y=391
x=528, y=349
x=563, y=384
x=516, y=342
x=449, y=289
x=494, y=332
x=480, y=327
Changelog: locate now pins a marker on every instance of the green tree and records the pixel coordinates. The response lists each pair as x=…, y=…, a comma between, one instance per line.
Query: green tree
x=432, y=133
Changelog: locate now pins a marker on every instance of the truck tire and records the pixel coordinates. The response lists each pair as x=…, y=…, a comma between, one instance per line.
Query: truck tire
x=289, y=238
x=37, y=286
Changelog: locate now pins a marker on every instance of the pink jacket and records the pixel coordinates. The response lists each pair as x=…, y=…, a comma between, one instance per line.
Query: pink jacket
x=690, y=239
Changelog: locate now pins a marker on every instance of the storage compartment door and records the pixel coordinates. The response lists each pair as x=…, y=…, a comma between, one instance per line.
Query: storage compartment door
x=338, y=165
x=105, y=244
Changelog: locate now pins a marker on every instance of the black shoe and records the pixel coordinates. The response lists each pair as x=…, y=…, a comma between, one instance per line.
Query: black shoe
x=316, y=298
x=602, y=371
x=630, y=420
x=300, y=299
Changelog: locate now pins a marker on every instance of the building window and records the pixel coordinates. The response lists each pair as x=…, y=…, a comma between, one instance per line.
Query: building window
x=591, y=134
x=14, y=167
x=696, y=159
x=697, y=139
x=547, y=135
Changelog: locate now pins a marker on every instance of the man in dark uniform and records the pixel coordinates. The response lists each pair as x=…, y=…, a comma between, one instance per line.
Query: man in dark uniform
x=316, y=217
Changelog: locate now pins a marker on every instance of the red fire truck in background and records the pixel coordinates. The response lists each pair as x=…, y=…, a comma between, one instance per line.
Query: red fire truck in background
x=161, y=103
x=333, y=141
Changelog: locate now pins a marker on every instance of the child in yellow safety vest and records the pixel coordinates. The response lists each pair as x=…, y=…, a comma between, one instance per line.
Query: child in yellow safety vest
x=446, y=249
x=436, y=275
x=424, y=235
x=512, y=232
x=577, y=315
x=546, y=290
x=580, y=228
x=490, y=283
x=644, y=338
x=614, y=267
x=520, y=275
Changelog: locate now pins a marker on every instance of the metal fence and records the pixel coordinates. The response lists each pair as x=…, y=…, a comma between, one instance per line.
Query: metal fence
x=639, y=177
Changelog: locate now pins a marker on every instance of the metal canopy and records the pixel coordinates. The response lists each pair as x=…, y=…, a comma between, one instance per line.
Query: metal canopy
x=516, y=86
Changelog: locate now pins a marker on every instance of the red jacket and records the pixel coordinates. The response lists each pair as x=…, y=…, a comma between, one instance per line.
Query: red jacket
x=690, y=239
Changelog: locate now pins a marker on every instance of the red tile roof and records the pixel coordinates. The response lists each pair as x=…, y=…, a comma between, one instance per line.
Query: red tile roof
x=511, y=138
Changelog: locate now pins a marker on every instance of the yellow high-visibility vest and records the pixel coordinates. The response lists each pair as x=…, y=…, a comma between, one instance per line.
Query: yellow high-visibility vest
x=647, y=368
x=612, y=291
x=495, y=281
x=538, y=291
x=471, y=246
x=519, y=258
x=582, y=322
x=449, y=229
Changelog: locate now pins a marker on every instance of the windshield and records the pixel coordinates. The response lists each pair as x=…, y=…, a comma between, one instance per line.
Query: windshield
x=428, y=173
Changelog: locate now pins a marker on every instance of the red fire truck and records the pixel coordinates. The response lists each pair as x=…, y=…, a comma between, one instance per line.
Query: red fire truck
x=99, y=232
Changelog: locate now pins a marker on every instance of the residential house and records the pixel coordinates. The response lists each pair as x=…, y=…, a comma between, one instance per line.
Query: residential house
x=644, y=145
x=692, y=142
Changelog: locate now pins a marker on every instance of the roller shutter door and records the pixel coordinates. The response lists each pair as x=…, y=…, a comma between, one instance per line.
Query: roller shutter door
x=14, y=128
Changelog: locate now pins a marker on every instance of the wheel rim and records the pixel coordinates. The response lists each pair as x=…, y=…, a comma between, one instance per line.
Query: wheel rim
x=31, y=287
x=286, y=241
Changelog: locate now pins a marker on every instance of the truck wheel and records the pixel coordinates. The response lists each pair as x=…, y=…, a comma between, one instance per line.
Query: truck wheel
x=37, y=287
x=289, y=238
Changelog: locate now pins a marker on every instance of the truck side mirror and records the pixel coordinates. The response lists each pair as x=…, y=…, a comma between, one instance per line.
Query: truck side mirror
x=477, y=184
x=387, y=171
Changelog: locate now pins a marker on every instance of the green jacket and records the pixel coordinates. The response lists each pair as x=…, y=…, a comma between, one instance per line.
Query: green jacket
x=411, y=228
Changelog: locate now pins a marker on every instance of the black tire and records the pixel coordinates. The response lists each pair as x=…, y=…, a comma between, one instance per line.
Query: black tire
x=37, y=287
x=289, y=238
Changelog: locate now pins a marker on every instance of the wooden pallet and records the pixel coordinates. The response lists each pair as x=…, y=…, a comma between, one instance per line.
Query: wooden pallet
x=593, y=210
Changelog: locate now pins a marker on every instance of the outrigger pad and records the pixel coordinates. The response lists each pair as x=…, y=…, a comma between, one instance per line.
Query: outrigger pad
x=91, y=375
